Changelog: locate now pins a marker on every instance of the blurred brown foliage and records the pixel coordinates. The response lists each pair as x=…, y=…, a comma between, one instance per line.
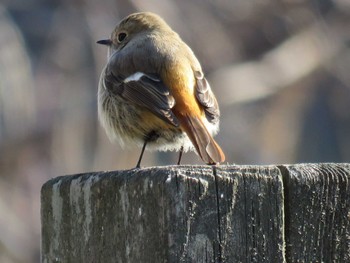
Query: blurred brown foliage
x=279, y=68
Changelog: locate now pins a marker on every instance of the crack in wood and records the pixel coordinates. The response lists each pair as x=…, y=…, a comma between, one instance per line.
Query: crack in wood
x=218, y=213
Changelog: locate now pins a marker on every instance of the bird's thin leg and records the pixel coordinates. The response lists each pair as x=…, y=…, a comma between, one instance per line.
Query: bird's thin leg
x=150, y=137
x=142, y=151
x=180, y=155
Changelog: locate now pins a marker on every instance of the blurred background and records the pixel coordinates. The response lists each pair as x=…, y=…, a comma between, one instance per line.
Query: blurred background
x=280, y=70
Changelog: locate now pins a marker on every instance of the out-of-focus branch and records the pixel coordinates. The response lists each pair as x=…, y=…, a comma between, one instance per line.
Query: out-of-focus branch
x=17, y=96
x=288, y=63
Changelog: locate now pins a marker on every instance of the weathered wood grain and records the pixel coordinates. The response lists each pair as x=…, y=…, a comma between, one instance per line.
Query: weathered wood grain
x=165, y=214
x=317, y=212
x=287, y=213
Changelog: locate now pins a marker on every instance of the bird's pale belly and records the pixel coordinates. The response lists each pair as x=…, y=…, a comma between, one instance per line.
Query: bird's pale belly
x=130, y=125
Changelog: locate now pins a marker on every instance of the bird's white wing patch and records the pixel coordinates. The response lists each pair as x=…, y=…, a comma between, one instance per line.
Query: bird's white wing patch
x=134, y=77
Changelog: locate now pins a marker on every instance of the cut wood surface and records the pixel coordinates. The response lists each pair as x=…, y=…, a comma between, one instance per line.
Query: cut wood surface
x=286, y=213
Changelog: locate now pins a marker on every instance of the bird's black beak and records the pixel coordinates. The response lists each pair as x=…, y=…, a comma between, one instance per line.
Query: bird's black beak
x=106, y=42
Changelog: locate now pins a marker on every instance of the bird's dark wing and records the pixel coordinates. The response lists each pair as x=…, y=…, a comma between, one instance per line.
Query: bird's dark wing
x=206, y=98
x=145, y=90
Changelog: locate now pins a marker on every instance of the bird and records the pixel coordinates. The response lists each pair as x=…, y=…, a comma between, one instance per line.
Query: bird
x=152, y=91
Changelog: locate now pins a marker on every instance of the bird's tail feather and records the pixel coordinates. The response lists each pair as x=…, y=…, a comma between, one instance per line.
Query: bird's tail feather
x=206, y=146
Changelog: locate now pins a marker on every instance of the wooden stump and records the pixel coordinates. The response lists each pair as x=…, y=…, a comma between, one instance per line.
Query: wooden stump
x=296, y=213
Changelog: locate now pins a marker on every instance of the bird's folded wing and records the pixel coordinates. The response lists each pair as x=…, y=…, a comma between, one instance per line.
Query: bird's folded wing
x=206, y=98
x=145, y=90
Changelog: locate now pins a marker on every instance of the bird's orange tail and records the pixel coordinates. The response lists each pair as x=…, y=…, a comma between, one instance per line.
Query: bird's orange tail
x=206, y=146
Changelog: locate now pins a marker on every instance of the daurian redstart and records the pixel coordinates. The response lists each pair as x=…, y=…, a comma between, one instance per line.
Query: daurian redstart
x=153, y=91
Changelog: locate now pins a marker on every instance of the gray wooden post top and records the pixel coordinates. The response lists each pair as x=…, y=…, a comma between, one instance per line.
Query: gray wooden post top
x=285, y=213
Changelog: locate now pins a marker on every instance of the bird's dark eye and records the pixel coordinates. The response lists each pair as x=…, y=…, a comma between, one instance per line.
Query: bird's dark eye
x=121, y=36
